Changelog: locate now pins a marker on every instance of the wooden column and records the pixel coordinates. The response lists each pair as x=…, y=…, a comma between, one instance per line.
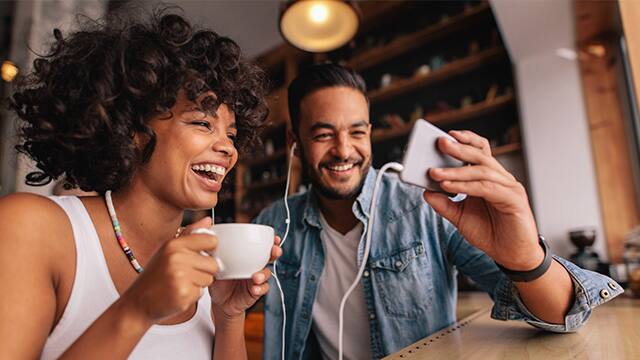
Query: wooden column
x=630, y=13
x=599, y=65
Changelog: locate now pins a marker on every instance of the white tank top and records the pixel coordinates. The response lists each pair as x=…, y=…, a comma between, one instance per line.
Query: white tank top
x=93, y=292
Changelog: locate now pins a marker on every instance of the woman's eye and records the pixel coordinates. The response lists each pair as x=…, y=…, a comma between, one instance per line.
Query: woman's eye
x=202, y=123
x=232, y=137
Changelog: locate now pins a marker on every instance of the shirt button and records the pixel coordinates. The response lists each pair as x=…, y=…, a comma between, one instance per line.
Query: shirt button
x=305, y=316
x=399, y=264
x=372, y=316
x=613, y=285
x=365, y=273
x=604, y=293
x=312, y=278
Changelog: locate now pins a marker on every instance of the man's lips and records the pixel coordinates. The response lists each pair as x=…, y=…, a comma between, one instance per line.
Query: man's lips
x=340, y=168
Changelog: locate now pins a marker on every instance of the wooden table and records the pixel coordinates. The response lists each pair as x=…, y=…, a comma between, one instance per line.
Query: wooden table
x=612, y=333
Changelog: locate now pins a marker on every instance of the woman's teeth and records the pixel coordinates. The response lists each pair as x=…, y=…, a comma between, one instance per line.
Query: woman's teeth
x=341, y=167
x=218, y=170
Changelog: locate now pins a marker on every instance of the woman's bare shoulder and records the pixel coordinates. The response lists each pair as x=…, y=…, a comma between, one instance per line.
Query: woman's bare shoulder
x=34, y=223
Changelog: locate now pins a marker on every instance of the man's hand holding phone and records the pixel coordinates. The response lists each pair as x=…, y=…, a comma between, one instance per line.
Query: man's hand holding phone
x=496, y=216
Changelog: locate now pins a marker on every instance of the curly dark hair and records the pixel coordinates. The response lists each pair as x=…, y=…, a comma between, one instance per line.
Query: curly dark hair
x=97, y=87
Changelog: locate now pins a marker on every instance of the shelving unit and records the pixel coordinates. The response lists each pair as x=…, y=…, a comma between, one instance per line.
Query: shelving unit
x=477, y=58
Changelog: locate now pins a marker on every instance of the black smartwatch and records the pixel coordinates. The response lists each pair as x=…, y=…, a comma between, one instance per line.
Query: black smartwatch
x=526, y=276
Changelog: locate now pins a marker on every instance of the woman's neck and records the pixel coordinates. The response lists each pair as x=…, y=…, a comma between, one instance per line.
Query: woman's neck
x=146, y=220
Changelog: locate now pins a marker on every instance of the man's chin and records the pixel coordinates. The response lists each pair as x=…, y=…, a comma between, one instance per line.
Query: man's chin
x=342, y=192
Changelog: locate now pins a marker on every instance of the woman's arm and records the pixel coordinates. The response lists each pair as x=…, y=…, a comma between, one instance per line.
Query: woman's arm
x=229, y=340
x=31, y=239
x=35, y=246
x=36, y=237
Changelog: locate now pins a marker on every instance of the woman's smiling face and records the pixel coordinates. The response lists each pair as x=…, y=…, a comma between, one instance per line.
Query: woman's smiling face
x=194, y=152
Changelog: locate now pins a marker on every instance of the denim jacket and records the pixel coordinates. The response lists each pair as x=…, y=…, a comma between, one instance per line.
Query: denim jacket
x=410, y=279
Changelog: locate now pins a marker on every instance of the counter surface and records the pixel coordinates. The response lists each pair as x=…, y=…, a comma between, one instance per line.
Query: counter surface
x=612, y=332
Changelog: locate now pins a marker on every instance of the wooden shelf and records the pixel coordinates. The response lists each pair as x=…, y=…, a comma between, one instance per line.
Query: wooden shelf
x=472, y=111
x=452, y=69
x=451, y=116
x=506, y=149
x=406, y=43
x=261, y=160
x=267, y=184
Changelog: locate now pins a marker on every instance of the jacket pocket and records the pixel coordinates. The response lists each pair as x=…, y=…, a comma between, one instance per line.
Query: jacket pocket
x=404, y=282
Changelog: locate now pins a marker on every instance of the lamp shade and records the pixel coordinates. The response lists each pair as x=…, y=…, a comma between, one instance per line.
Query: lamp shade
x=319, y=25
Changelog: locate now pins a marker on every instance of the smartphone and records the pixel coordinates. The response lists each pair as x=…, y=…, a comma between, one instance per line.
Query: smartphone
x=422, y=154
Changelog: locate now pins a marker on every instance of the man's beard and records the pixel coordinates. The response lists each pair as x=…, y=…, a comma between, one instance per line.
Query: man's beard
x=328, y=192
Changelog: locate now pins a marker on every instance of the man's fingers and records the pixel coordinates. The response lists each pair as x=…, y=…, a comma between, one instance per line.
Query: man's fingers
x=473, y=139
x=463, y=152
x=470, y=173
x=444, y=206
x=492, y=192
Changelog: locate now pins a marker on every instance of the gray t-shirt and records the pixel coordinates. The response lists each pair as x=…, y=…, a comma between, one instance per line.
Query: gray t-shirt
x=340, y=269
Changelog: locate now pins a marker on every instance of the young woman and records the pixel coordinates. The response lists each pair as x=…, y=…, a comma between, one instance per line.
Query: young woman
x=150, y=116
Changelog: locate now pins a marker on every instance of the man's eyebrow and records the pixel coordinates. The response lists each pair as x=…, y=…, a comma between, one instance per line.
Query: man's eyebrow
x=360, y=123
x=322, y=125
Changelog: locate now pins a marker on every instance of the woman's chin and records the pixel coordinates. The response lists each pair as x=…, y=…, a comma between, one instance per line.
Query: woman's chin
x=203, y=201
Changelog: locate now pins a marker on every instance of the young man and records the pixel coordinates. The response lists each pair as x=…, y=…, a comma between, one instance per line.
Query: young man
x=419, y=241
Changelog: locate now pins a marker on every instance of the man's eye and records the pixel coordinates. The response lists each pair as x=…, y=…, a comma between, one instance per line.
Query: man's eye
x=232, y=137
x=359, y=133
x=322, y=136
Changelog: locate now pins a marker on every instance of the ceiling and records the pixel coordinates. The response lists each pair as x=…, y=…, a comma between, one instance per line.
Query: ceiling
x=253, y=24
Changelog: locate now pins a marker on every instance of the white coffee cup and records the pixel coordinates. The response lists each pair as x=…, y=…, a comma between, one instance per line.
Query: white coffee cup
x=243, y=249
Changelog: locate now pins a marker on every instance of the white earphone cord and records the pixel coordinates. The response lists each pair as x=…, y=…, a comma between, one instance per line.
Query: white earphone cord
x=393, y=166
x=284, y=238
x=367, y=246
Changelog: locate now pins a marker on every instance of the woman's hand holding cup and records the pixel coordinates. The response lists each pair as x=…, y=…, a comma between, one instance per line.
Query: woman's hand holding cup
x=175, y=276
x=233, y=297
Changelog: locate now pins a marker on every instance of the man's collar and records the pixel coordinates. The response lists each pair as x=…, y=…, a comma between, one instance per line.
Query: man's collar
x=361, y=210
x=364, y=199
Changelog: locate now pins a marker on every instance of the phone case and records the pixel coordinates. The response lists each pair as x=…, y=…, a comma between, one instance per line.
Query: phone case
x=422, y=154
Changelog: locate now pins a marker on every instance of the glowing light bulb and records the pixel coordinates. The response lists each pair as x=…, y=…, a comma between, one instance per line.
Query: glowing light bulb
x=8, y=71
x=319, y=13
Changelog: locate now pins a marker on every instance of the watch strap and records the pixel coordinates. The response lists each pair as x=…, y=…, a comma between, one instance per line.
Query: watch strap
x=527, y=276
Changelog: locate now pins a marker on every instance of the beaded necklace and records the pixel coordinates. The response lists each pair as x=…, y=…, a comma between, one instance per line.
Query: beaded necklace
x=116, y=228
x=123, y=243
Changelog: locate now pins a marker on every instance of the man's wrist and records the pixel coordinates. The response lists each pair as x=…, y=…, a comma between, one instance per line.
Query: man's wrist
x=530, y=273
x=531, y=260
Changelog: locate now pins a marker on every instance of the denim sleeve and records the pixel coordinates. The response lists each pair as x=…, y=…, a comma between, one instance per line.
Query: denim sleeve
x=590, y=289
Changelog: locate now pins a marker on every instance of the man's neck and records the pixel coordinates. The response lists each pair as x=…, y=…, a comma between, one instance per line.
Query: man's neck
x=338, y=213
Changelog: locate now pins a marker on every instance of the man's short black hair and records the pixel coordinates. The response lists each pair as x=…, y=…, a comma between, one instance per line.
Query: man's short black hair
x=318, y=77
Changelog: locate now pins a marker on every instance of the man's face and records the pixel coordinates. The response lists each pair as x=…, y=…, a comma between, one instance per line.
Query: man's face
x=335, y=132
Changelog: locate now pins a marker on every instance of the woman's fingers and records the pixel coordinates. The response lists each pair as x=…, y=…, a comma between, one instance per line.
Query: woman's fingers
x=276, y=250
x=205, y=222
x=261, y=276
